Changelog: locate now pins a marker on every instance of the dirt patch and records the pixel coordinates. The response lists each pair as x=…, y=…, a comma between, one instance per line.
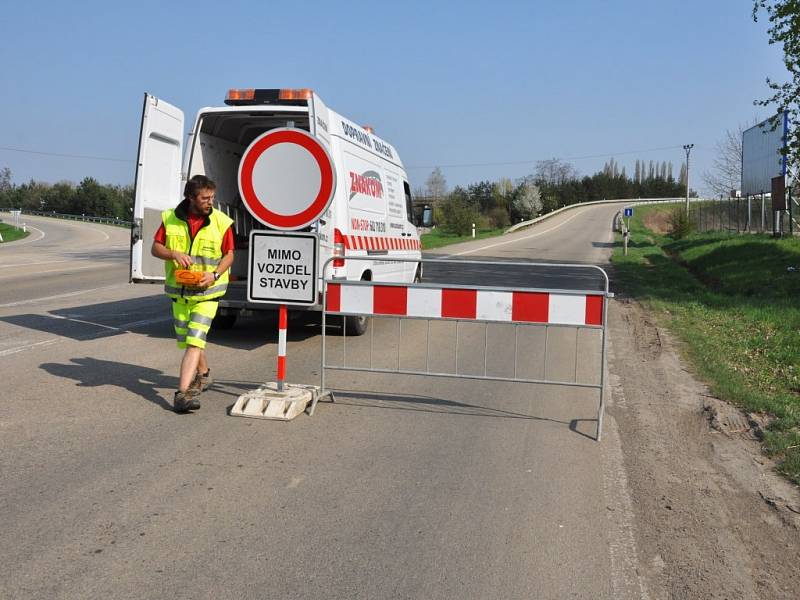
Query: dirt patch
x=712, y=519
x=657, y=221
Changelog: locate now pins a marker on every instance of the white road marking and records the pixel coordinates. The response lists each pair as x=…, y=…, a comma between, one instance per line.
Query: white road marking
x=57, y=270
x=92, y=323
x=518, y=239
x=28, y=346
x=44, y=262
x=121, y=328
x=59, y=296
x=24, y=241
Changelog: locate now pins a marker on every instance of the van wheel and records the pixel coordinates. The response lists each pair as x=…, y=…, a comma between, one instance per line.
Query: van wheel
x=355, y=325
x=225, y=321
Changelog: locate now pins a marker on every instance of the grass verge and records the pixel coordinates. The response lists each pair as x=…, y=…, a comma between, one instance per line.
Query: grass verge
x=438, y=238
x=11, y=233
x=733, y=301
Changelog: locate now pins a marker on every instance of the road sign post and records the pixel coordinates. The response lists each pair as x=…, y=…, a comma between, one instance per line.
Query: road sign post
x=287, y=181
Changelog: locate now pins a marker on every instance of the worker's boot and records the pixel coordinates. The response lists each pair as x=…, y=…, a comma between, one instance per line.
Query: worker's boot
x=185, y=401
x=201, y=382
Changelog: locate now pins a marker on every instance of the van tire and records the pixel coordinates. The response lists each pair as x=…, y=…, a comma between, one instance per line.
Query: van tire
x=356, y=325
x=224, y=321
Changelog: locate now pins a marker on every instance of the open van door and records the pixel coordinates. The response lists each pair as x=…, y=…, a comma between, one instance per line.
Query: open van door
x=158, y=183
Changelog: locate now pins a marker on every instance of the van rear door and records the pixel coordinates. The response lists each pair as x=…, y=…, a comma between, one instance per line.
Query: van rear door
x=158, y=183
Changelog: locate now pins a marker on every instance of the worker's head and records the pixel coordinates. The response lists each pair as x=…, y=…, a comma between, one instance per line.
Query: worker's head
x=200, y=191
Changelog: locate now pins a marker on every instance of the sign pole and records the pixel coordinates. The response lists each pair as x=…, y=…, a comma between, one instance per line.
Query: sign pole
x=281, y=375
x=282, y=261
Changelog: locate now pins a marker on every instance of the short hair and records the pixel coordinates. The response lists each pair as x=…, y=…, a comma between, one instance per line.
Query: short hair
x=197, y=183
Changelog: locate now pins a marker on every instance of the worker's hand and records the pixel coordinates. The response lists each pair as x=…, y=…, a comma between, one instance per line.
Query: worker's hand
x=207, y=280
x=183, y=260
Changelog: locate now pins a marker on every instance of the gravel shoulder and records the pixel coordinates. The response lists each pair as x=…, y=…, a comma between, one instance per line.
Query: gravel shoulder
x=712, y=518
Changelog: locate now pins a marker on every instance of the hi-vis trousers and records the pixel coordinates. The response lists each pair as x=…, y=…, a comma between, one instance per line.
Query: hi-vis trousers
x=192, y=320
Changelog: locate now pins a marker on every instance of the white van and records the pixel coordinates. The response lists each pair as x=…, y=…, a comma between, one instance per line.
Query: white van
x=370, y=215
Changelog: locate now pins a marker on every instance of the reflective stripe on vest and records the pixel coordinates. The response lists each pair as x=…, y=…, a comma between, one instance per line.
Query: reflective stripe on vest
x=205, y=250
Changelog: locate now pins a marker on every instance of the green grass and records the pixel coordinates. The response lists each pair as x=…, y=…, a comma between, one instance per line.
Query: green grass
x=438, y=238
x=734, y=300
x=11, y=233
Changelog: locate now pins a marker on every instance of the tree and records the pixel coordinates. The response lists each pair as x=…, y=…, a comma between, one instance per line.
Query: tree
x=726, y=171
x=481, y=195
x=554, y=171
x=436, y=185
x=458, y=212
x=503, y=193
x=784, y=19
x=528, y=201
x=5, y=180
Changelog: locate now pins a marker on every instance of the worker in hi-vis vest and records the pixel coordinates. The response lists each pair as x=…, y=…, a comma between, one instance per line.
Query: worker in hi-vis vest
x=196, y=243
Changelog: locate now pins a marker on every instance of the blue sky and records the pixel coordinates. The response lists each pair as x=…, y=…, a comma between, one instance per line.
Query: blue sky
x=447, y=83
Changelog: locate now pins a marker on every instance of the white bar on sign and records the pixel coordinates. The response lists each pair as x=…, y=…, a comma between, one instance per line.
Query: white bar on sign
x=424, y=302
x=567, y=309
x=356, y=299
x=494, y=306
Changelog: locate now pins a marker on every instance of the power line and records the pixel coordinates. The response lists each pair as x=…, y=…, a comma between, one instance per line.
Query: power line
x=446, y=166
x=83, y=156
x=530, y=162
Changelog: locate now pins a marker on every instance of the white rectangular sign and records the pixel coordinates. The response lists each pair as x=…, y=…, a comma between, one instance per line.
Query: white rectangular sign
x=761, y=155
x=282, y=267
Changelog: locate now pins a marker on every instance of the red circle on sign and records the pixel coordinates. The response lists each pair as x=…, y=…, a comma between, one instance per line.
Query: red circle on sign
x=307, y=213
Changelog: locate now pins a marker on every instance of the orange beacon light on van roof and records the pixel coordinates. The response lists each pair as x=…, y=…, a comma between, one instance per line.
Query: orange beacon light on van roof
x=239, y=94
x=253, y=96
x=300, y=94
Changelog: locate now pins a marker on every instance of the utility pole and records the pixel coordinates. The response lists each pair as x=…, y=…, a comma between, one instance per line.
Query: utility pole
x=688, y=149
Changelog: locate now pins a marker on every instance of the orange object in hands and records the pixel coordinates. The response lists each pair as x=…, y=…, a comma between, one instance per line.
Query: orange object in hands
x=186, y=277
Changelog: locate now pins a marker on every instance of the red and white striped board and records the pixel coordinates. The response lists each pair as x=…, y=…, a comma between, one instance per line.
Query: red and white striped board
x=374, y=242
x=552, y=308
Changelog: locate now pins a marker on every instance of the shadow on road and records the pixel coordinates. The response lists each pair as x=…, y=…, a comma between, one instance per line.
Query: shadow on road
x=136, y=379
x=431, y=404
x=152, y=316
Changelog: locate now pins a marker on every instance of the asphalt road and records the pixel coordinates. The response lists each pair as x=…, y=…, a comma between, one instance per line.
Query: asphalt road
x=406, y=487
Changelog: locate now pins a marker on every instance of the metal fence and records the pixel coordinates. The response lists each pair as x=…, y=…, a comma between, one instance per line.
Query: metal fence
x=743, y=215
x=505, y=314
x=87, y=218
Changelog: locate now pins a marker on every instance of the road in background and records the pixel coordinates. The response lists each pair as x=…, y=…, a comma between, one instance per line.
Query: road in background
x=578, y=236
x=406, y=487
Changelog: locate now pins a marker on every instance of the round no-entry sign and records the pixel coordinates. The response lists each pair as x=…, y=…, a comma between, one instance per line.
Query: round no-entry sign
x=286, y=178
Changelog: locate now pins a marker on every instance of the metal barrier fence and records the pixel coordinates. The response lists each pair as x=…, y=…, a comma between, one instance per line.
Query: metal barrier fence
x=519, y=307
x=743, y=215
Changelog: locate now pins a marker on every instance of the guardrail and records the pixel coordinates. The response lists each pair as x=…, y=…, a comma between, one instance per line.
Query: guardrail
x=495, y=306
x=523, y=224
x=86, y=218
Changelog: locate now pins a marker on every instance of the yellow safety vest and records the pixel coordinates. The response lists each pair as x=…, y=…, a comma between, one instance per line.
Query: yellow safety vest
x=205, y=249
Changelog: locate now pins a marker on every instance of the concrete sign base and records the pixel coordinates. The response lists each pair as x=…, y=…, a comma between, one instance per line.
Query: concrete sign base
x=268, y=403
